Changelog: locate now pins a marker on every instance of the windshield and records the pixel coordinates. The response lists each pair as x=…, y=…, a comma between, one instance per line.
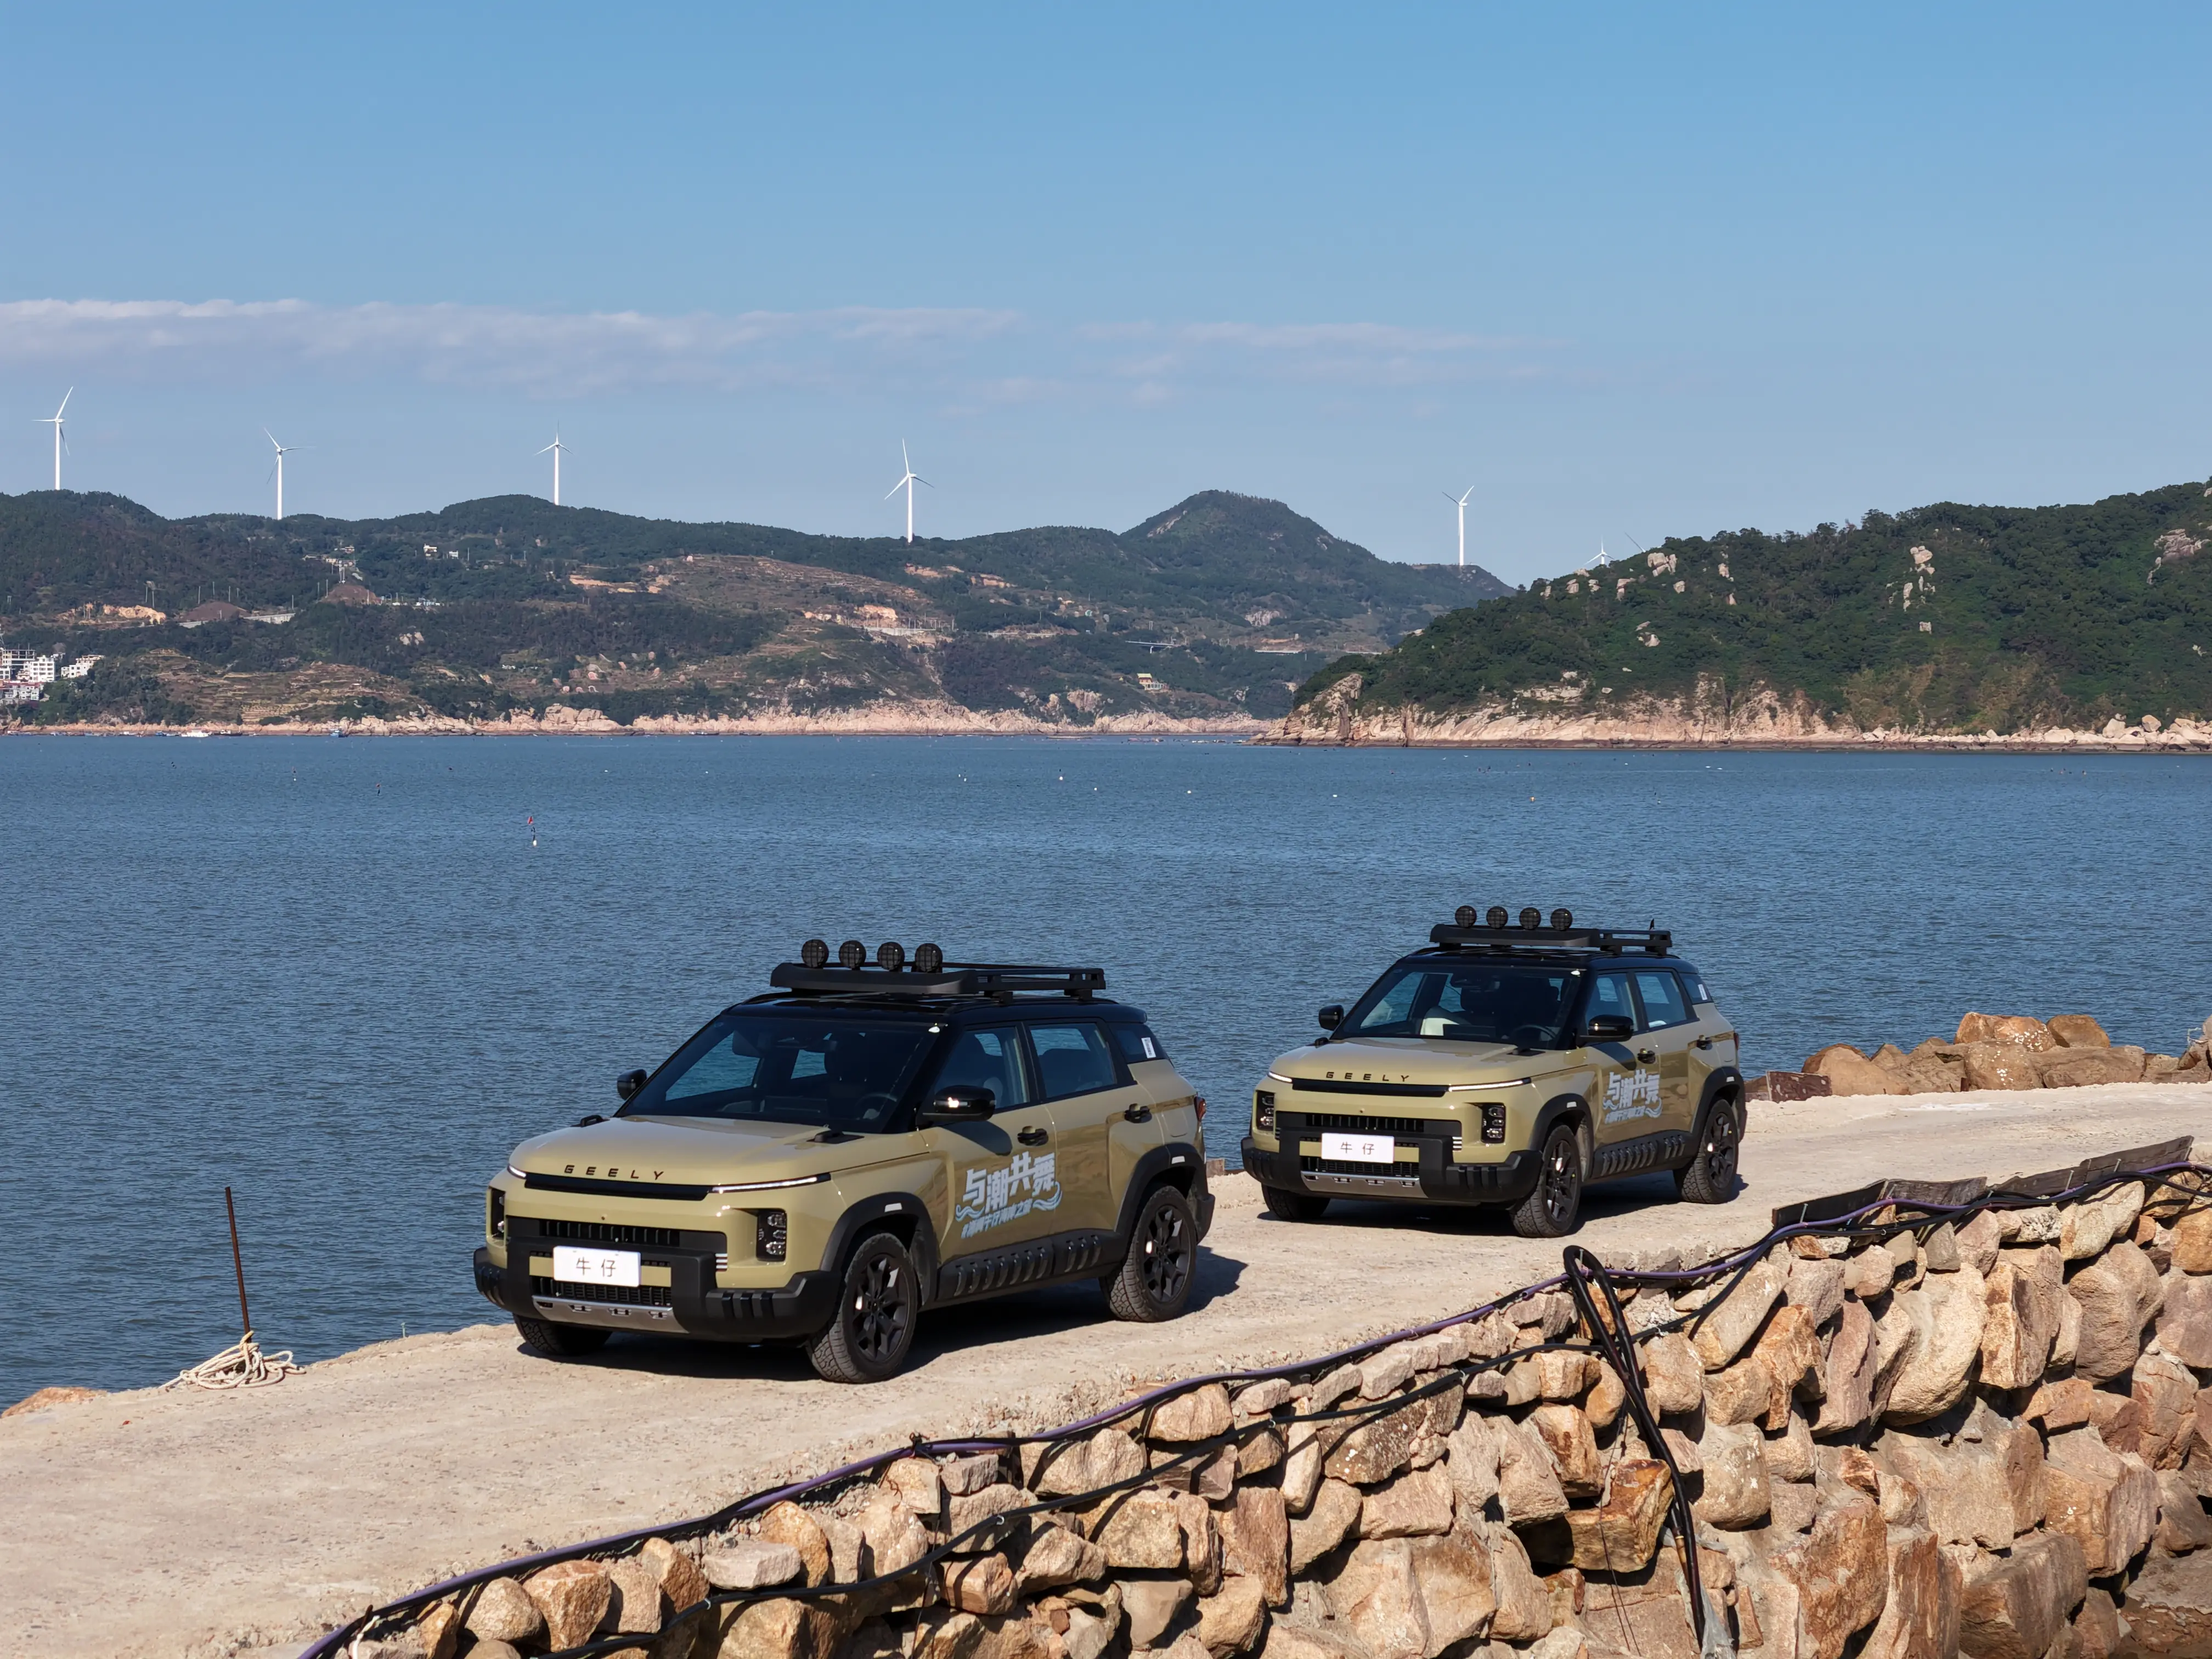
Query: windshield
x=838, y=1073
x=1472, y=1002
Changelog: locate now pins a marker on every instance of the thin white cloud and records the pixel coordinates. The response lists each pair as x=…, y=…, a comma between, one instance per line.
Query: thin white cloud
x=994, y=355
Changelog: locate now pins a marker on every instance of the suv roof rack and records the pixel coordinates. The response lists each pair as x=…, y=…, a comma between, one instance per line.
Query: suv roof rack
x=998, y=980
x=1603, y=941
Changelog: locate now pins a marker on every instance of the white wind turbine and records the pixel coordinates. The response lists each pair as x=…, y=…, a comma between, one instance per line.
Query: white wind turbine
x=283, y=450
x=556, y=449
x=907, y=482
x=54, y=421
x=1461, y=501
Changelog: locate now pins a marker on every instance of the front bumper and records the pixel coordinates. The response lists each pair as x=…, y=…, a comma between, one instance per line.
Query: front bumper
x=694, y=1305
x=1435, y=1180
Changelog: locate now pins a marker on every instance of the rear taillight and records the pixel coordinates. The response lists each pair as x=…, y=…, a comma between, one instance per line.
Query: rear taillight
x=1199, y=1100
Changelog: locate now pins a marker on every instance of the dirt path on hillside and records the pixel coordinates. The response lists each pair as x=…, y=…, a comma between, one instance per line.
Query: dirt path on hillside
x=146, y=1525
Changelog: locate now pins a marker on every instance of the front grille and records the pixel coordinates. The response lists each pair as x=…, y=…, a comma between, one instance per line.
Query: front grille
x=1347, y=1086
x=1344, y=1166
x=1360, y=1123
x=641, y=1295
x=610, y=1232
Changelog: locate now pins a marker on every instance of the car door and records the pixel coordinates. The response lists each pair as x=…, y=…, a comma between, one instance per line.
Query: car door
x=1004, y=1184
x=1664, y=1032
x=1625, y=1094
x=1090, y=1093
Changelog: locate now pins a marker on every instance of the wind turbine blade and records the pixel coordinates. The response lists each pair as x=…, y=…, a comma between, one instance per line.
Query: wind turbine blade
x=550, y=446
x=905, y=459
x=895, y=489
x=66, y=396
x=920, y=480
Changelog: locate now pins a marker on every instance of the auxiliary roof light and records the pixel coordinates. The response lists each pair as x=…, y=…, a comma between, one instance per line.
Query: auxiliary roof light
x=1531, y=916
x=1563, y=918
x=1497, y=916
x=852, y=953
x=1464, y=915
x=891, y=954
x=815, y=953
x=927, y=958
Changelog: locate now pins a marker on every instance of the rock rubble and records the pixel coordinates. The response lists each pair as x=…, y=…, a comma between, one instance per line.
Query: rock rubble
x=1989, y=1051
x=1990, y=1435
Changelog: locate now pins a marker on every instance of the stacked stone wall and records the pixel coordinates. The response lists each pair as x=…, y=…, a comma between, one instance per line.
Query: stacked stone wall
x=1901, y=1434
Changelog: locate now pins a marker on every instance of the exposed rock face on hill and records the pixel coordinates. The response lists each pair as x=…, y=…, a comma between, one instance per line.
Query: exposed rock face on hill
x=2050, y=627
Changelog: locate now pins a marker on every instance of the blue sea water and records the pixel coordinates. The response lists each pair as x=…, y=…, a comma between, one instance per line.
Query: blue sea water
x=340, y=975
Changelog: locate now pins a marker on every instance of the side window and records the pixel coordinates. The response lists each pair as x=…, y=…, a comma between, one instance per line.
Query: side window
x=989, y=1059
x=1138, y=1043
x=1660, y=994
x=1072, y=1059
x=1609, y=995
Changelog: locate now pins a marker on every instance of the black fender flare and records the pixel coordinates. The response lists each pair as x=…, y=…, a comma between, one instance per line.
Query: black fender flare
x=1560, y=1107
x=1178, y=1162
x=1726, y=1081
x=902, y=1213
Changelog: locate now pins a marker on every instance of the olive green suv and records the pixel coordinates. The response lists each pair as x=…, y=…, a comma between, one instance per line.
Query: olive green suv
x=821, y=1165
x=1507, y=1065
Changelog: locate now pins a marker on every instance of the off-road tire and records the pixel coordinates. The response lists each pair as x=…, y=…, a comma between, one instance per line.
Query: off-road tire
x=1710, y=1177
x=1552, y=1211
x=561, y=1341
x=1153, y=1282
x=1288, y=1205
x=878, y=1304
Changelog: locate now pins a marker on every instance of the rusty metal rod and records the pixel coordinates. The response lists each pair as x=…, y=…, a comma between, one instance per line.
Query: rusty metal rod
x=238, y=1262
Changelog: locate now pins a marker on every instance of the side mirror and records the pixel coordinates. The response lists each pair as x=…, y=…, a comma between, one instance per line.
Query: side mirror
x=628, y=1084
x=962, y=1103
x=1331, y=1017
x=1608, y=1028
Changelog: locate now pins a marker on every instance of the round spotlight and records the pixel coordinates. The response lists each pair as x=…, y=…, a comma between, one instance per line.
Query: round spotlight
x=928, y=959
x=1464, y=915
x=1497, y=917
x=815, y=953
x=891, y=954
x=1531, y=916
x=1563, y=918
x=852, y=953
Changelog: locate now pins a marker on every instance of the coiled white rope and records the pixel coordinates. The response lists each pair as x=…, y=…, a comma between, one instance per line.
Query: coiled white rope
x=240, y=1365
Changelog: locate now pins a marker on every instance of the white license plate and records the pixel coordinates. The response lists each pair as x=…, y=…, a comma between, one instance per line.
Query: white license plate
x=595, y=1267
x=1359, y=1149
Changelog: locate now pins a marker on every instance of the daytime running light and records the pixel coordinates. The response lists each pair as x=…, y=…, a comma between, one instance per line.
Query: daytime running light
x=765, y=1185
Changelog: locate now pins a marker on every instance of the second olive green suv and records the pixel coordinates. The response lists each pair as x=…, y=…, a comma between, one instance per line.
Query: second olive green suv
x=1507, y=1065
x=822, y=1163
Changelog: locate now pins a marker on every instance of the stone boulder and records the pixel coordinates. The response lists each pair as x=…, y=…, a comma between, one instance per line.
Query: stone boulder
x=1731, y=1325
x=2182, y=1525
x=503, y=1611
x=2170, y=1606
x=1566, y=1434
x=1141, y=1531
x=1849, y=1372
x=1067, y=1468
x=979, y=1584
x=1841, y=1571
x=2105, y=1501
x=1945, y=1314
x=1528, y=1489
x=788, y=1523
x=2078, y=1031
x=1199, y=1414
x=1735, y=1493
x=1233, y=1618
x=2019, y=1324
x=1255, y=1541
x=1415, y=1504
x=1153, y=1606
x=1920, y=1619
x=2068, y=1068
x=2185, y=1326
x=1850, y=1073
x=572, y=1596
x=2110, y=1335
x=2017, y=1609
x=1675, y=1377
x=2000, y=1065
x=1620, y=1534
x=2192, y=1241
x=2015, y=1031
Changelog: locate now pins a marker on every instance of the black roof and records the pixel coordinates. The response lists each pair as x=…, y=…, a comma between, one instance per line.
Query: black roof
x=946, y=986
x=1567, y=940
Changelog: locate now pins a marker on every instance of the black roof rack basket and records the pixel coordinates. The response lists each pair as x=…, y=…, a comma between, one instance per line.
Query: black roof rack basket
x=1605, y=941
x=954, y=979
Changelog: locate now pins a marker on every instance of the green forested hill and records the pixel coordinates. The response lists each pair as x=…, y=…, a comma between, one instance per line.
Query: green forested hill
x=1948, y=618
x=1220, y=605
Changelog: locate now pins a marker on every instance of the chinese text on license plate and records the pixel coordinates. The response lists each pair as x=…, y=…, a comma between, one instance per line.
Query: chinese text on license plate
x=1358, y=1149
x=595, y=1267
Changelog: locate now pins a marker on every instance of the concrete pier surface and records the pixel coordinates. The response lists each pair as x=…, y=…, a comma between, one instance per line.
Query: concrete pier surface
x=162, y=1524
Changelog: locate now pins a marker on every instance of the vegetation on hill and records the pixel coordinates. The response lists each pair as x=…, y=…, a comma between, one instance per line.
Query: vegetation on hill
x=1216, y=607
x=1945, y=619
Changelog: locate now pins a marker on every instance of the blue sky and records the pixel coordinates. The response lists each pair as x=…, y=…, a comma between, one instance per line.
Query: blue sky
x=1628, y=270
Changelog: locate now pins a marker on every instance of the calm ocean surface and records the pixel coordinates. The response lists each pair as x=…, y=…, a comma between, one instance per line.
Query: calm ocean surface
x=336, y=975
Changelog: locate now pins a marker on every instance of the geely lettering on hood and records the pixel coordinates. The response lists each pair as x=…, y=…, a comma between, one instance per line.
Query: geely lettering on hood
x=692, y=1153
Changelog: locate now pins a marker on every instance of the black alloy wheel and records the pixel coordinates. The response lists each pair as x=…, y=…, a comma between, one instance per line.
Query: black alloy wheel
x=1551, y=1211
x=877, y=1309
x=1154, y=1280
x=1287, y=1206
x=1710, y=1176
x=561, y=1341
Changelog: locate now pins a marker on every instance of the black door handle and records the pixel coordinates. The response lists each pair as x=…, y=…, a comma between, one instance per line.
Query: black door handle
x=1033, y=1136
x=1138, y=1113
x=1705, y=1042
x=1645, y=1056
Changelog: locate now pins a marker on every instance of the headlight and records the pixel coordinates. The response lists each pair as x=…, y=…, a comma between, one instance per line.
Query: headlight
x=772, y=1235
x=1263, y=1109
x=495, y=1212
